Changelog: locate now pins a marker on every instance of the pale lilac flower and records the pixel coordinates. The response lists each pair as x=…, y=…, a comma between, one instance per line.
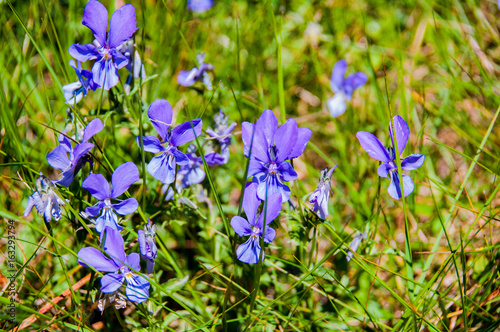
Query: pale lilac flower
x=118, y=265
x=222, y=134
x=387, y=156
x=322, y=193
x=162, y=167
x=74, y=92
x=123, y=177
x=199, y=5
x=354, y=245
x=343, y=87
x=104, y=49
x=253, y=225
x=271, y=147
x=192, y=172
x=70, y=160
x=45, y=200
x=189, y=77
x=147, y=245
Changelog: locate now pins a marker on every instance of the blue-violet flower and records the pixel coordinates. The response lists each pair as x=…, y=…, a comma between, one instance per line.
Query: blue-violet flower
x=74, y=92
x=45, y=199
x=147, y=245
x=322, y=193
x=343, y=87
x=189, y=77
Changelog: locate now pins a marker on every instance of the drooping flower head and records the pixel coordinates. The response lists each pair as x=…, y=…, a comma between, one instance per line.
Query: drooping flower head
x=270, y=148
x=70, y=160
x=253, y=225
x=45, y=199
x=189, y=77
x=162, y=167
x=387, y=156
x=322, y=193
x=74, y=92
x=104, y=50
x=222, y=134
x=123, y=177
x=343, y=87
x=118, y=265
x=199, y=5
x=134, y=65
x=147, y=245
x=192, y=172
x=355, y=244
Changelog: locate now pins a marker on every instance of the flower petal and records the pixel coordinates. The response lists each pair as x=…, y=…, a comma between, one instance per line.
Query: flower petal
x=249, y=252
x=137, y=289
x=272, y=211
x=373, y=147
x=114, y=245
x=180, y=157
x=95, y=17
x=383, y=169
x=285, y=139
x=241, y=226
x=303, y=136
x=412, y=162
x=286, y=171
x=337, y=78
x=250, y=202
x=160, y=113
x=93, y=211
x=133, y=261
x=257, y=145
x=105, y=73
x=125, y=207
x=274, y=186
x=394, y=189
x=199, y=5
x=269, y=124
x=89, y=256
x=354, y=81
x=337, y=104
x=269, y=235
x=58, y=158
x=184, y=133
x=122, y=26
x=73, y=92
x=123, y=177
x=93, y=127
x=151, y=144
x=162, y=168
x=97, y=185
x=402, y=133
x=83, y=52
x=111, y=282
x=187, y=77
x=108, y=219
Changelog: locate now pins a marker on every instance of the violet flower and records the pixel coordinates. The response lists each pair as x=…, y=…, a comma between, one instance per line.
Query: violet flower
x=70, y=160
x=74, y=92
x=123, y=177
x=192, y=172
x=104, y=50
x=199, y=5
x=271, y=147
x=45, y=199
x=118, y=264
x=343, y=87
x=253, y=225
x=387, y=156
x=147, y=245
x=222, y=134
x=189, y=77
x=322, y=193
x=162, y=167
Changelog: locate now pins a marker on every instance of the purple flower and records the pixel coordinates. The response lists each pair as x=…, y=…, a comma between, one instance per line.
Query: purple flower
x=354, y=245
x=134, y=65
x=45, y=199
x=271, y=147
x=343, y=87
x=74, y=92
x=387, y=156
x=162, y=167
x=321, y=195
x=199, y=5
x=104, y=50
x=70, y=160
x=222, y=134
x=118, y=264
x=123, y=177
x=189, y=77
x=249, y=252
x=147, y=245
x=192, y=172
